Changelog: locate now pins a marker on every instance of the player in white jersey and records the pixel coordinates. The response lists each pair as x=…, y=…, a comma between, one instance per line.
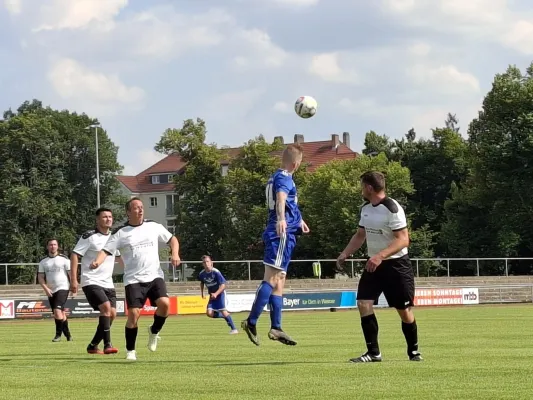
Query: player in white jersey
x=97, y=284
x=388, y=270
x=138, y=242
x=54, y=279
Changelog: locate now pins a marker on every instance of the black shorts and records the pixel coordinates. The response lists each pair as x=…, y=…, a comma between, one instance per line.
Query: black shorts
x=394, y=278
x=58, y=300
x=137, y=293
x=98, y=295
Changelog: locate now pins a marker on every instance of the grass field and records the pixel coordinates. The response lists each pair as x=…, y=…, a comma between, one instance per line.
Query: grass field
x=479, y=352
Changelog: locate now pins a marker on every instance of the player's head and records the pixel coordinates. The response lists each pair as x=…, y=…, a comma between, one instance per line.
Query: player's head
x=372, y=184
x=292, y=157
x=104, y=218
x=207, y=263
x=135, y=210
x=52, y=246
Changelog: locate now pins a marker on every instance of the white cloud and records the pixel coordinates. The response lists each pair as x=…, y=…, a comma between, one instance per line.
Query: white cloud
x=326, y=66
x=68, y=14
x=400, y=6
x=256, y=50
x=163, y=33
x=520, y=37
x=297, y=3
x=235, y=104
x=445, y=79
x=13, y=6
x=282, y=107
x=420, y=49
x=73, y=81
x=487, y=12
x=143, y=159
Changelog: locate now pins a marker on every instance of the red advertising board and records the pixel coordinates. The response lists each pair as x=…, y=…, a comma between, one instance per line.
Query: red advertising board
x=446, y=296
x=148, y=309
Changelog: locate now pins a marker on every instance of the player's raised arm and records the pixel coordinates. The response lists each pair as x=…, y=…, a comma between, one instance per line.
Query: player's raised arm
x=109, y=249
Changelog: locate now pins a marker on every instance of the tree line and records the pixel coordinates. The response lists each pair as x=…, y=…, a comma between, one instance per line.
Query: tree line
x=467, y=191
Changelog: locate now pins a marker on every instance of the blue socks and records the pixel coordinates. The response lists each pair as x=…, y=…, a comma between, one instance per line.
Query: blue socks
x=276, y=304
x=261, y=299
x=230, y=323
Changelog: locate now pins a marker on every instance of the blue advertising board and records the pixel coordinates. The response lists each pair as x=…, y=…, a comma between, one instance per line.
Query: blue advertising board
x=314, y=301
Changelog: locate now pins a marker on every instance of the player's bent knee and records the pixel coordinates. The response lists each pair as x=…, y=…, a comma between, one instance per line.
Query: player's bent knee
x=163, y=306
x=366, y=307
x=210, y=313
x=105, y=309
x=406, y=315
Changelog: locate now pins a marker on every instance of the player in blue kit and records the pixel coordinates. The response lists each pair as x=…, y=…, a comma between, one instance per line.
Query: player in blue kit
x=284, y=224
x=216, y=288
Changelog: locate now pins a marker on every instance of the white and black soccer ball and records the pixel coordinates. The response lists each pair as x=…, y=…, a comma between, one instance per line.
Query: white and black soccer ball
x=305, y=106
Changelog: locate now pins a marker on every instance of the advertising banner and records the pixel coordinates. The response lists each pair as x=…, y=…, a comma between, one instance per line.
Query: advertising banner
x=148, y=309
x=446, y=296
x=239, y=302
x=32, y=309
x=312, y=301
x=77, y=308
x=191, y=305
x=7, y=309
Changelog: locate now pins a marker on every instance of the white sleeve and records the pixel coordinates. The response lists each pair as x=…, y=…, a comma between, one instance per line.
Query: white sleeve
x=361, y=218
x=113, y=243
x=117, y=253
x=67, y=264
x=164, y=234
x=41, y=267
x=82, y=246
x=397, y=221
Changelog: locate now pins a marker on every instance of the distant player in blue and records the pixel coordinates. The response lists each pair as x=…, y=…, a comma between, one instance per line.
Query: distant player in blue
x=284, y=224
x=216, y=288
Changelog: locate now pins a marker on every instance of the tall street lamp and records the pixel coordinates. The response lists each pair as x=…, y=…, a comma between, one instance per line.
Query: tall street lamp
x=96, y=126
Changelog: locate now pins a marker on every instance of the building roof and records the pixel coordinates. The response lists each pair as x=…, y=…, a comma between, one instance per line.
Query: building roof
x=315, y=155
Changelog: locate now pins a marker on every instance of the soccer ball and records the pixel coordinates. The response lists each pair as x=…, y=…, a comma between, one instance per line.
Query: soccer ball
x=305, y=106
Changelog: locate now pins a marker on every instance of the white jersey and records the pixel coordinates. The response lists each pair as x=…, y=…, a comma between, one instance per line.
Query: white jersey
x=56, y=270
x=139, y=247
x=379, y=222
x=88, y=247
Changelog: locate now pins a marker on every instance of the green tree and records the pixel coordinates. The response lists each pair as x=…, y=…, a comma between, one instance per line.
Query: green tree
x=201, y=212
x=47, y=180
x=331, y=200
x=492, y=210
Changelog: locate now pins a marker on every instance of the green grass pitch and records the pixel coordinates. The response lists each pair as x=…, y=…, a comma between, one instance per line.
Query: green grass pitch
x=477, y=352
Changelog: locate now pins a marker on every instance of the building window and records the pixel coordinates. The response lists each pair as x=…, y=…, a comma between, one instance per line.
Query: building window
x=172, y=199
x=155, y=179
x=153, y=201
x=171, y=178
x=171, y=226
x=224, y=170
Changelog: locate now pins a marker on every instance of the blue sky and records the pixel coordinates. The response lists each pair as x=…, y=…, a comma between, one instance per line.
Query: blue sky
x=144, y=66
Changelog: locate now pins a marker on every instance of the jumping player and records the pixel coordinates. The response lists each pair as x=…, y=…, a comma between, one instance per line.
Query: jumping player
x=138, y=242
x=216, y=288
x=53, y=278
x=97, y=284
x=284, y=224
x=389, y=271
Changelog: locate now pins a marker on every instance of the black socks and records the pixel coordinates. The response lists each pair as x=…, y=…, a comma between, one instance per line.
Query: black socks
x=370, y=330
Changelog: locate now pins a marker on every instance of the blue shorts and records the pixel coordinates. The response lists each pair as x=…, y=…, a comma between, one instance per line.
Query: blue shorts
x=218, y=304
x=278, y=250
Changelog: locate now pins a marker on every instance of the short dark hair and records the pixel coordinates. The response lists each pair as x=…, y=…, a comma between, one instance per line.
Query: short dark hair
x=103, y=209
x=128, y=203
x=375, y=179
x=206, y=256
x=51, y=240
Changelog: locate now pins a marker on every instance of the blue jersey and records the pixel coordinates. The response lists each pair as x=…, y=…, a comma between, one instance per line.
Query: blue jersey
x=213, y=279
x=281, y=181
